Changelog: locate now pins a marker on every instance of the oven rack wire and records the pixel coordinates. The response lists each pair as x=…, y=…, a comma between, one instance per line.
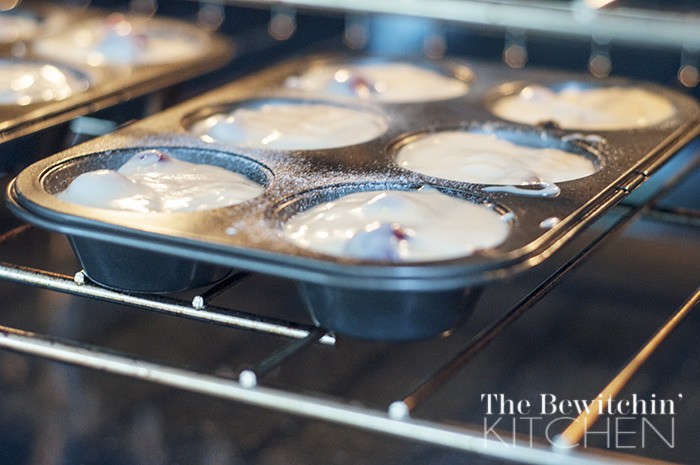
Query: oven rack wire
x=397, y=419
x=602, y=23
x=601, y=20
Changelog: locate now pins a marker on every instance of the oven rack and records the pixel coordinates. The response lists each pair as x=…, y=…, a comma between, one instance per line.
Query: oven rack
x=600, y=20
x=397, y=418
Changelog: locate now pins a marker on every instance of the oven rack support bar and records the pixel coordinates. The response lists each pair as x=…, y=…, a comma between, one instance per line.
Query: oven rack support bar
x=199, y=301
x=678, y=215
x=236, y=319
x=468, y=440
x=250, y=376
x=572, y=19
x=577, y=429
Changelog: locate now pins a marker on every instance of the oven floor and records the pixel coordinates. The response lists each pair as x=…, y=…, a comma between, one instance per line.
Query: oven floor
x=569, y=345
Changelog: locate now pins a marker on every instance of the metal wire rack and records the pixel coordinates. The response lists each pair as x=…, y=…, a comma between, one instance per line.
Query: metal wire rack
x=575, y=18
x=398, y=419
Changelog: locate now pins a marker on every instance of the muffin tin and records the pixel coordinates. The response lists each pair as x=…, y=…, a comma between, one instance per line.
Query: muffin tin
x=35, y=18
x=108, y=85
x=368, y=299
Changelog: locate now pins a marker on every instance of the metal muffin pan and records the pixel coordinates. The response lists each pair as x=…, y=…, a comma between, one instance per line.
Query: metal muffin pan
x=109, y=85
x=370, y=299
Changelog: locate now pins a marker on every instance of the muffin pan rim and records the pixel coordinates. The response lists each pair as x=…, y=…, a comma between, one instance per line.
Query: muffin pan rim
x=413, y=276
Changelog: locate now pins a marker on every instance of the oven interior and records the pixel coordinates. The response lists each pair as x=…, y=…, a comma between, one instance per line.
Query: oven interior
x=237, y=373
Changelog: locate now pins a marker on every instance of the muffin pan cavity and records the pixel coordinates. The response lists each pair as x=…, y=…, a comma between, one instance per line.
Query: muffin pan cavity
x=385, y=224
x=583, y=106
x=395, y=224
x=123, y=266
x=384, y=81
x=500, y=157
x=18, y=25
x=28, y=82
x=287, y=125
x=124, y=40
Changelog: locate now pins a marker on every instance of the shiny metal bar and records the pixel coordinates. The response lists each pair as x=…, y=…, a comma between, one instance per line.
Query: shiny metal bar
x=656, y=28
x=200, y=301
x=678, y=215
x=577, y=429
x=250, y=377
x=12, y=233
x=225, y=317
x=468, y=440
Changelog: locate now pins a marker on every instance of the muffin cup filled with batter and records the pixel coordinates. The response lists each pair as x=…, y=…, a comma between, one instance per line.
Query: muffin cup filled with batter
x=384, y=81
x=582, y=106
x=391, y=225
x=497, y=155
x=397, y=225
x=287, y=125
x=113, y=181
x=124, y=40
x=22, y=22
x=28, y=82
x=18, y=25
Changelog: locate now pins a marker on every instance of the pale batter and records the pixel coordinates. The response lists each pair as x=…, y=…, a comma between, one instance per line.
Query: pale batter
x=486, y=159
x=24, y=83
x=292, y=126
x=597, y=108
x=397, y=226
x=383, y=82
x=153, y=181
x=123, y=40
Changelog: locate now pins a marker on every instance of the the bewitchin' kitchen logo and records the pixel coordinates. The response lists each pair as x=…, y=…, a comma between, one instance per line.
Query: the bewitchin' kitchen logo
x=632, y=422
